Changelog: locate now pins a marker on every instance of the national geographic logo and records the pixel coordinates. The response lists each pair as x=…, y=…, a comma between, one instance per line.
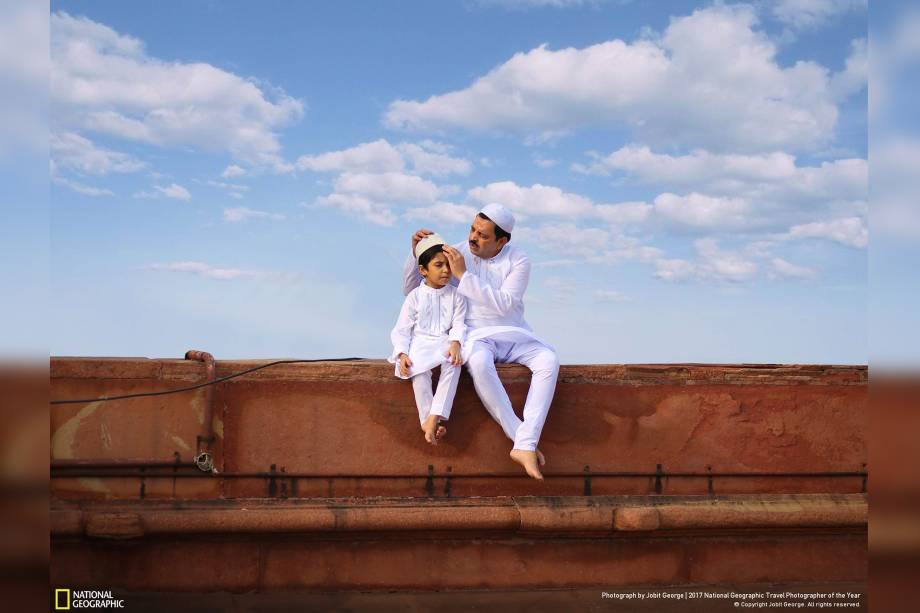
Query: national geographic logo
x=65, y=599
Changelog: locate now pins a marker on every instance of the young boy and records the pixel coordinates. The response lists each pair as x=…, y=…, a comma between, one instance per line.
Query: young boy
x=428, y=333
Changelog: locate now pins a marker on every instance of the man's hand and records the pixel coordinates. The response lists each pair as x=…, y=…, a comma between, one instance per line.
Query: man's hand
x=419, y=235
x=456, y=261
x=453, y=352
x=404, y=364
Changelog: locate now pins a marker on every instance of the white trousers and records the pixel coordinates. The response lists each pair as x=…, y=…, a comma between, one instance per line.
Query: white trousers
x=440, y=402
x=542, y=362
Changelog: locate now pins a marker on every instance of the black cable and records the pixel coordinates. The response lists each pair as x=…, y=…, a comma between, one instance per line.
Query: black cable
x=205, y=384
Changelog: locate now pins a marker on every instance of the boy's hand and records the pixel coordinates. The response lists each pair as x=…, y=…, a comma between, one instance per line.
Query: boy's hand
x=419, y=235
x=404, y=364
x=453, y=352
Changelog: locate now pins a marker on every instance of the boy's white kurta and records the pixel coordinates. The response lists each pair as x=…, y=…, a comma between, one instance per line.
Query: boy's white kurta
x=428, y=321
x=497, y=332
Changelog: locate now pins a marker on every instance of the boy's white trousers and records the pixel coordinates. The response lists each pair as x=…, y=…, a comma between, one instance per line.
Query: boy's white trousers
x=440, y=402
x=542, y=362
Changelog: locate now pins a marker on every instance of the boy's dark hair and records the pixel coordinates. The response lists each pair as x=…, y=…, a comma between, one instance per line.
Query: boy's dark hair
x=428, y=254
x=499, y=233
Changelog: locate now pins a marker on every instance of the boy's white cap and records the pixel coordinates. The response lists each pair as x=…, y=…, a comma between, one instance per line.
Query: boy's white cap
x=500, y=215
x=427, y=243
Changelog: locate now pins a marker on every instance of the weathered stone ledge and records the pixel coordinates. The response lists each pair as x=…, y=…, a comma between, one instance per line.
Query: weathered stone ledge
x=532, y=515
x=381, y=371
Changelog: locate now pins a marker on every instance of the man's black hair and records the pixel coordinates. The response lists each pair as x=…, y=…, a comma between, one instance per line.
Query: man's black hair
x=499, y=232
x=428, y=254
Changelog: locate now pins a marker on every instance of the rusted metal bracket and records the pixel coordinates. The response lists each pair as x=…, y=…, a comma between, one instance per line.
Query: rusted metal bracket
x=709, y=487
x=272, y=485
x=658, y=474
x=587, y=489
x=447, y=479
x=284, y=485
x=429, y=483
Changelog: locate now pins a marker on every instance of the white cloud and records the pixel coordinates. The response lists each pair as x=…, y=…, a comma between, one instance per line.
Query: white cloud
x=802, y=14
x=212, y=272
x=233, y=171
x=850, y=231
x=703, y=211
x=235, y=189
x=241, y=213
x=392, y=187
x=104, y=81
x=80, y=188
x=175, y=191
x=359, y=206
x=719, y=264
x=855, y=75
x=594, y=245
x=674, y=269
x=372, y=196
x=623, y=213
x=75, y=152
x=602, y=295
x=427, y=157
x=565, y=239
x=443, y=212
x=733, y=93
x=712, y=263
x=741, y=191
x=374, y=157
x=761, y=176
x=535, y=200
x=543, y=162
x=784, y=269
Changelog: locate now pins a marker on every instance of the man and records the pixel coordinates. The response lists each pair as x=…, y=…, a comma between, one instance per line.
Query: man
x=493, y=275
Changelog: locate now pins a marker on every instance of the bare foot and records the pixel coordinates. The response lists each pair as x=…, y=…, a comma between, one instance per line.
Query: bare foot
x=541, y=458
x=430, y=428
x=527, y=459
x=440, y=432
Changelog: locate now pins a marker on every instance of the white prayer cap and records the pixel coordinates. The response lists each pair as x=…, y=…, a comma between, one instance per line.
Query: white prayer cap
x=427, y=243
x=500, y=215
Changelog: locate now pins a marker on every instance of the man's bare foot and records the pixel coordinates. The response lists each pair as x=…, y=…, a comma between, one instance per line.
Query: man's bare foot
x=541, y=458
x=527, y=459
x=440, y=432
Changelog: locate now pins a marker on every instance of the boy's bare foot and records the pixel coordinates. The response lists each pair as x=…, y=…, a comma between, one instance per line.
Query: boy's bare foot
x=541, y=458
x=527, y=459
x=430, y=428
x=433, y=429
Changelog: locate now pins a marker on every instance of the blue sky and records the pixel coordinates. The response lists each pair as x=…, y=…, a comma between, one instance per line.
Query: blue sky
x=690, y=179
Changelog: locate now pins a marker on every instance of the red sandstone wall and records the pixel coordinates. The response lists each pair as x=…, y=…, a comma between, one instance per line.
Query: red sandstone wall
x=357, y=419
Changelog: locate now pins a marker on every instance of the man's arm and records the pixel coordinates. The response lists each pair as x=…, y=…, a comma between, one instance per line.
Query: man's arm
x=504, y=299
x=458, y=325
x=411, y=276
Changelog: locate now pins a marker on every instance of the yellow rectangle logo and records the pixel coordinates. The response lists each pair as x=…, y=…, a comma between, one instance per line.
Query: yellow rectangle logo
x=57, y=599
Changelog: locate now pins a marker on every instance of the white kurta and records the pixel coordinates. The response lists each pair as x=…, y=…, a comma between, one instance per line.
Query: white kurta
x=498, y=332
x=495, y=291
x=428, y=321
